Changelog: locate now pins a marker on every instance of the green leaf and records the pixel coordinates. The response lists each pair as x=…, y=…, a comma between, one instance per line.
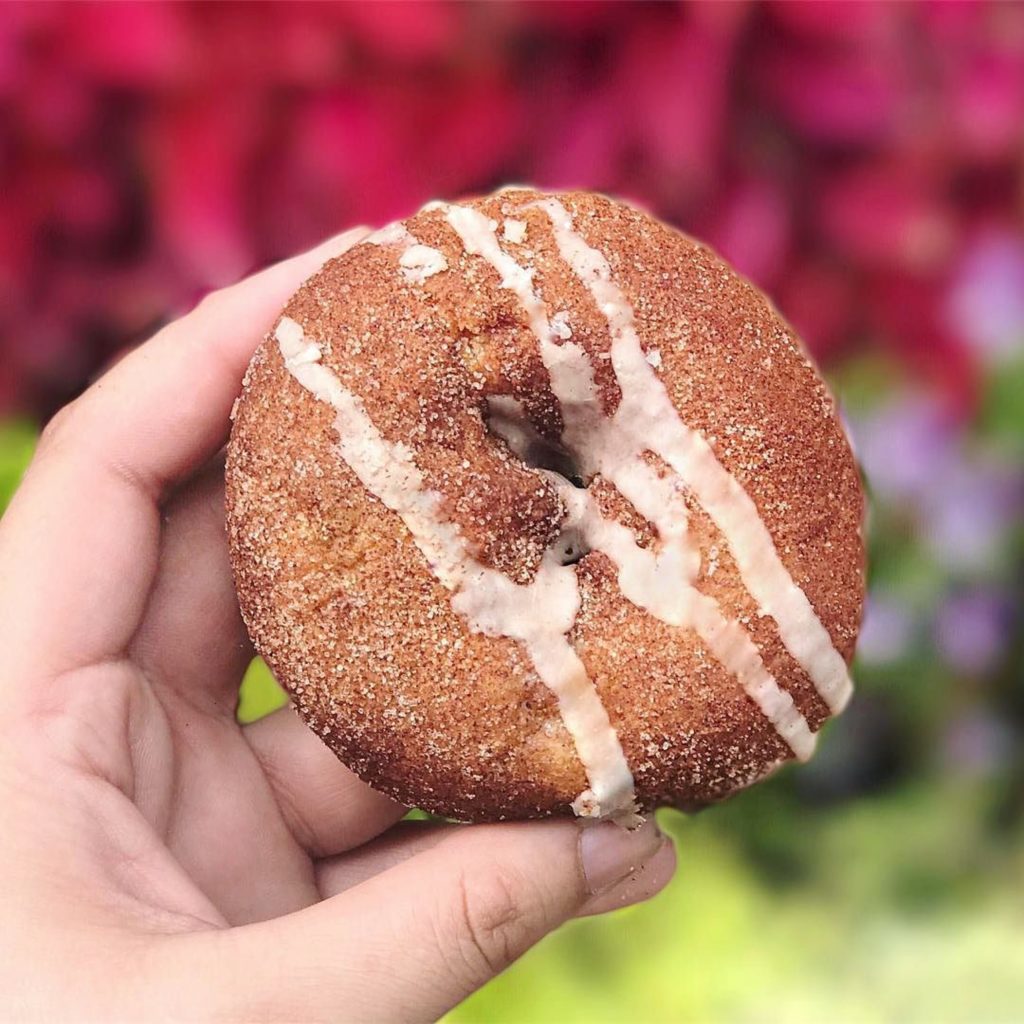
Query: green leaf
x=1002, y=413
x=17, y=443
x=260, y=693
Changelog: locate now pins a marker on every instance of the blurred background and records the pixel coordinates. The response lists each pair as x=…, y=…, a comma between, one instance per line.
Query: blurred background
x=863, y=163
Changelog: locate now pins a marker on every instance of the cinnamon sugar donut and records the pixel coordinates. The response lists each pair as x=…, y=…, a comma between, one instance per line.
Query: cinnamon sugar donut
x=535, y=505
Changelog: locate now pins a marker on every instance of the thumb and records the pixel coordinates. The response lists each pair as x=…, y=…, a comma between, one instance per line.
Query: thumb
x=410, y=943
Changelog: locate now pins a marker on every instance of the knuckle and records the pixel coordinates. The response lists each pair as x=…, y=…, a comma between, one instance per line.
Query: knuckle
x=212, y=302
x=60, y=427
x=492, y=923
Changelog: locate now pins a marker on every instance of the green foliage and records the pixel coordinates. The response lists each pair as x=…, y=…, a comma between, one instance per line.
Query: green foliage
x=260, y=693
x=1002, y=415
x=860, y=384
x=886, y=926
x=17, y=442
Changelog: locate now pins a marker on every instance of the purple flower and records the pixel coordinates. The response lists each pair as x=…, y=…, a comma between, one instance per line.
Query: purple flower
x=903, y=446
x=887, y=631
x=962, y=500
x=978, y=743
x=971, y=630
x=986, y=304
x=967, y=510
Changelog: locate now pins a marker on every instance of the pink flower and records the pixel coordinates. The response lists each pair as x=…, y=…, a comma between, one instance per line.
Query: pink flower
x=672, y=89
x=986, y=96
x=197, y=164
x=888, y=214
x=905, y=314
x=751, y=228
x=405, y=31
x=838, y=97
x=844, y=21
x=819, y=299
x=138, y=45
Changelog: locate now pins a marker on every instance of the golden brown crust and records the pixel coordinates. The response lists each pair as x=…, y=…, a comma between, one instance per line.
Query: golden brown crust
x=344, y=608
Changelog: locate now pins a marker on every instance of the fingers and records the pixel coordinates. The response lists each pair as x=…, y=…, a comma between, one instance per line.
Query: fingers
x=192, y=637
x=412, y=942
x=398, y=844
x=328, y=809
x=410, y=838
x=163, y=410
x=646, y=881
x=78, y=544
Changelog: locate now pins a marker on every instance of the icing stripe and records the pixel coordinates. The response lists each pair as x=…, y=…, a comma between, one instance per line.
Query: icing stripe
x=418, y=262
x=572, y=378
x=655, y=420
x=391, y=234
x=654, y=582
x=604, y=445
x=538, y=614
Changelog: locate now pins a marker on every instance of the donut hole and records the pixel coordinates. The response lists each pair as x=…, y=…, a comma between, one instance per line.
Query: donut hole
x=570, y=547
x=506, y=418
x=554, y=459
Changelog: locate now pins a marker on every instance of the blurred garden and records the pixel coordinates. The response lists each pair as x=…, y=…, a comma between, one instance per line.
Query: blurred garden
x=862, y=162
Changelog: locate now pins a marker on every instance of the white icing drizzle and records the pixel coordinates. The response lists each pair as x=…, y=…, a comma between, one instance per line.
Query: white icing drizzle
x=538, y=615
x=613, y=446
x=514, y=231
x=648, y=415
x=391, y=234
x=418, y=262
x=567, y=364
x=656, y=582
x=560, y=326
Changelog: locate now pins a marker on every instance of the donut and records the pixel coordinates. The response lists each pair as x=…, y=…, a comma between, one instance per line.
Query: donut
x=536, y=507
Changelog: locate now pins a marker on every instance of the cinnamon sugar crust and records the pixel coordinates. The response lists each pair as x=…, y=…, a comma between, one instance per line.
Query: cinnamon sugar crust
x=345, y=608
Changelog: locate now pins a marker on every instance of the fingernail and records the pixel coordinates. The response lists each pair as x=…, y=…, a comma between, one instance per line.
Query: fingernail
x=610, y=853
x=648, y=880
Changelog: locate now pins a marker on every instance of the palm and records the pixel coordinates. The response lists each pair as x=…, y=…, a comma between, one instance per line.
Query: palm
x=213, y=804
x=222, y=851
x=141, y=648
x=218, y=829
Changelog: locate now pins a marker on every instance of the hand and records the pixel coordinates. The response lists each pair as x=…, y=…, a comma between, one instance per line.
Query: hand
x=159, y=860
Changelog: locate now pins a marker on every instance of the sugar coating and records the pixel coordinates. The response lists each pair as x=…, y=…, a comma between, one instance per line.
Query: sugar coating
x=339, y=599
x=538, y=614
